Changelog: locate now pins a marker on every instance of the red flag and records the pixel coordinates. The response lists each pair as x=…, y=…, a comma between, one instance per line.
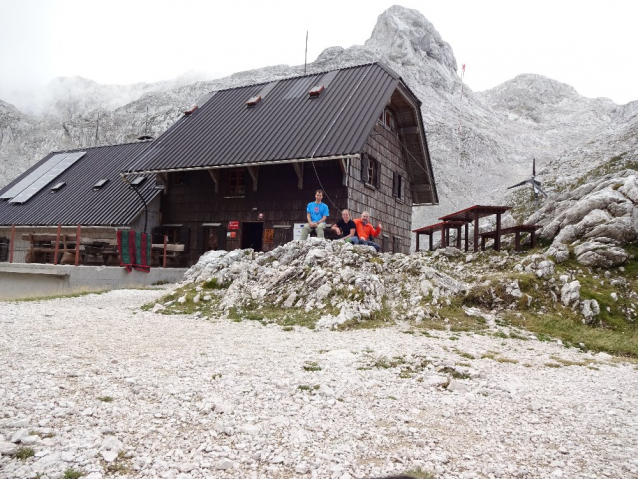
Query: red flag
x=464, y=68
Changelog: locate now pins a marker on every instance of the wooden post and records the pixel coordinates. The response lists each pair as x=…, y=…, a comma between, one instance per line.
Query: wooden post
x=12, y=243
x=467, y=239
x=497, y=240
x=57, y=245
x=483, y=243
x=164, y=259
x=517, y=236
x=458, y=237
x=417, y=241
x=77, y=246
x=533, y=238
x=431, y=235
x=476, y=231
x=442, y=236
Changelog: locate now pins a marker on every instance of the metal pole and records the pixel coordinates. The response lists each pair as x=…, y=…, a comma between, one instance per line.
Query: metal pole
x=305, y=61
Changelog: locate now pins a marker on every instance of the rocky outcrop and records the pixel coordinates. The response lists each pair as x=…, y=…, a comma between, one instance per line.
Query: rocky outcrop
x=333, y=280
x=595, y=220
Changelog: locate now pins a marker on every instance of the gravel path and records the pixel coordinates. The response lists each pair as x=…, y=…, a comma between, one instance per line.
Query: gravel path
x=96, y=385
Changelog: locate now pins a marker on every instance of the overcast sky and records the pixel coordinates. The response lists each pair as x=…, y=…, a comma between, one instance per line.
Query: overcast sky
x=591, y=45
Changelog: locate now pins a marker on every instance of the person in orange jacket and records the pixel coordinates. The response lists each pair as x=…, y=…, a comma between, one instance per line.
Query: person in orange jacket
x=365, y=230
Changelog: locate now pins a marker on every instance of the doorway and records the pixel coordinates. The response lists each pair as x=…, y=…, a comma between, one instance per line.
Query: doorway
x=252, y=235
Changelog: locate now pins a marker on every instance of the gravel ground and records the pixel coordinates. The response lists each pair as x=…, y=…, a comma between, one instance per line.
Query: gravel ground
x=96, y=385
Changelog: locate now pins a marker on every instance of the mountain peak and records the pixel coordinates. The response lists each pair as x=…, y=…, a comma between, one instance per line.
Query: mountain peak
x=403, y=35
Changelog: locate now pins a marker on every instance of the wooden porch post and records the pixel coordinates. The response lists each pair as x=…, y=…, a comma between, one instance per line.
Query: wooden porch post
x=430, y=236
x=476, y=231
x=458, y=237
x=12, y=243
x=417, y=241
x=77, y=246
x=443, y=236
x=467, y=239
x=57, y=245
x=497, y=240
x=533, y=238
x=164, y=259
x=517, y=239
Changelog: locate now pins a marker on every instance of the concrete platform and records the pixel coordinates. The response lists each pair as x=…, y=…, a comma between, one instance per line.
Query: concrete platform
x=20, y=280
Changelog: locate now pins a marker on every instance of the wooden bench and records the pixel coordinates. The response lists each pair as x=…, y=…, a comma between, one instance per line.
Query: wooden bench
x=516, y=230
x=174, y=253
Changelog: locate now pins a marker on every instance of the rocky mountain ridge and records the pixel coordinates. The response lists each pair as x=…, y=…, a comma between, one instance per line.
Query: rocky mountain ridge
x=476, y=141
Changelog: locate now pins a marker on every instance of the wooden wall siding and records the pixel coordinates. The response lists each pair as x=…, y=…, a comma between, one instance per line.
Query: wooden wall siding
x=396, y=215
x=277, y=197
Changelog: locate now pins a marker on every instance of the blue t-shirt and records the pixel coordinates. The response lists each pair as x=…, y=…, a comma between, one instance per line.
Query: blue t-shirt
x=317, y=211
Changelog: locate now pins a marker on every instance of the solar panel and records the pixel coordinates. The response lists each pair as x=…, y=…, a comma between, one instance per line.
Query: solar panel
x=33, y=176
x=48, y=177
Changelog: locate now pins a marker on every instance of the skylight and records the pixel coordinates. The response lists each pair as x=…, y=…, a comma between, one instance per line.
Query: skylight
x=100, y=183
x=58, y=186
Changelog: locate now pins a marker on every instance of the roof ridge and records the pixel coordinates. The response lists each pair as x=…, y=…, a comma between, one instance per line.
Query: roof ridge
x=321, y=72
x=101, y=146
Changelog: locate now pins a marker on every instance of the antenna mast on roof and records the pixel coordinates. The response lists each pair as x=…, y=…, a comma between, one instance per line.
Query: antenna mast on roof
x=97, y=127
x=146, y=123
x=305, y=60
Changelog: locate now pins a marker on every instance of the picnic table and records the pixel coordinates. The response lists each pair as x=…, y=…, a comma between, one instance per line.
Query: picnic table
x=444, y=227
x=161, y=253
x=43, y=247
x=517, y=230
x=474, y=213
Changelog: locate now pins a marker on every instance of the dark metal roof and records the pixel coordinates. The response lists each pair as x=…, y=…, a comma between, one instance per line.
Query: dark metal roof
x=77, y=203
x=285, y=125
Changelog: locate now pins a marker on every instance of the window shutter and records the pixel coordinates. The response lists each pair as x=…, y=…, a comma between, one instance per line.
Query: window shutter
x=364, y=168
x=377, y=180
x=395, y=185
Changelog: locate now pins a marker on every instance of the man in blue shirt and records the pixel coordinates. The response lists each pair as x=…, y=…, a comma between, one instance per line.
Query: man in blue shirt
x=316, y=213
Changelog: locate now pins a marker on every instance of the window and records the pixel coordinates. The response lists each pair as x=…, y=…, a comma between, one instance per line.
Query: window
x=388, y=120
x=180, y=178
x=236, y=182
x=370, y=171
x=397, y=186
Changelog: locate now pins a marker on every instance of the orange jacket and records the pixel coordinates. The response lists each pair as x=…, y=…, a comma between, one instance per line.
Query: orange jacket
x=367, y=230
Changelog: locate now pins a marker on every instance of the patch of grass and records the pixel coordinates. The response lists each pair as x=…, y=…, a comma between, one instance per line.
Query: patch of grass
x=418, y=473
x=25, y=453
x=59, y=296
x=213, y=283
x=570, y=329
x=506, y=360
x=288, y=328
x=105, y=399
x=567, y=362
x=72, y=474
x=467, y=355
x=216, y=376
x=311, y=366
x=306, y=387
x=454, y=373
x=553, y=365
